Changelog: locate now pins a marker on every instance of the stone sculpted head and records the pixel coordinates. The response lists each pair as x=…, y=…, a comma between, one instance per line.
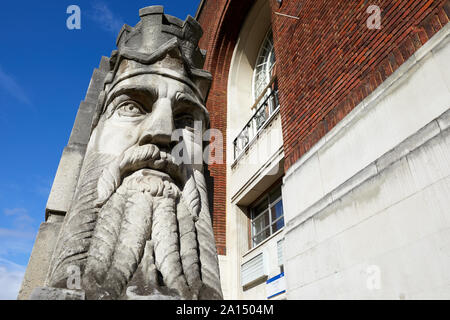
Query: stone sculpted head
x=139, y=225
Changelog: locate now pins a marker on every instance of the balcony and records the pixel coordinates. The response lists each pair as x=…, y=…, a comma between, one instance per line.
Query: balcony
x=267, y=105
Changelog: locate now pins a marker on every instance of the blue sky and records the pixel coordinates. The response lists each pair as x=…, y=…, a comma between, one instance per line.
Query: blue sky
x=45, y=70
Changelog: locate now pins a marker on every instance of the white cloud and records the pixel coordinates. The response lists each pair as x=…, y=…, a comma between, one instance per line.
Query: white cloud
x=11, y=276
x=14, y=233
x=22, y=220
x=14, y=244
x=10, y=85
x=18, y=239
x=105, y=17
x=15, y=211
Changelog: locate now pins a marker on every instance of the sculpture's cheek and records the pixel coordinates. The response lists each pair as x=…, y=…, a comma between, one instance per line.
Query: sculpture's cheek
x=115, y=139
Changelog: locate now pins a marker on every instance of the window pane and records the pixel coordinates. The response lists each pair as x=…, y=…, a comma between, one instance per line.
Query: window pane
x=260, y=237
x=267, y=216
x=278, y=225
x=277, y=210
x=256, y=240
x=260, y=208
x=264, y=66
x=275, y=194
x=261, y=222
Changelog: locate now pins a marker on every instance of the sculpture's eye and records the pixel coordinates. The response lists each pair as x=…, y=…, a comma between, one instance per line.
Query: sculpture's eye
x=184, y=120
x=130, y=109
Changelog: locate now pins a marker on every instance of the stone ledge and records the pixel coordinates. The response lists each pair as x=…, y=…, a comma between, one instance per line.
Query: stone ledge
x=429, y=132
x=48, y=293
x=66, y=179
x=81, y=130
x=40, y=258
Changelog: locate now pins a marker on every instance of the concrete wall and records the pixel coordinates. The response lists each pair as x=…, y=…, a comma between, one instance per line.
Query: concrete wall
x=367, y=209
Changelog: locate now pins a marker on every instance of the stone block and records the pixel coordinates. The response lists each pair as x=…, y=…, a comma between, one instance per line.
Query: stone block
x=444, y=120
x=300, y=239
x=104, y=64
x=431, y=162
x=47, y=293
x=81, y=130
x=302, y=189
x=40, y=258
x=95, y=86
x=66, y=179
x=408, y=145
x=441, y=55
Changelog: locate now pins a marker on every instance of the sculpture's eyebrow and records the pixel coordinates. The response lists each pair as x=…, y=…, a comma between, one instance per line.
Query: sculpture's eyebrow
x=146, y=92
x=183, y=97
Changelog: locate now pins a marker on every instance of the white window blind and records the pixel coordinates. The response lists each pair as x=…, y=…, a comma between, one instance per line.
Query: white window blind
x=253, y=269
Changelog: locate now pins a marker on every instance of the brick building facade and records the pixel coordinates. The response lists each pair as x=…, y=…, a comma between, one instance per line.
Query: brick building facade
x=333, y=76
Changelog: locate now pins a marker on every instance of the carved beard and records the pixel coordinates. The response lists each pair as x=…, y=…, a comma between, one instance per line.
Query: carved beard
x=145, y=227
x=140, y=216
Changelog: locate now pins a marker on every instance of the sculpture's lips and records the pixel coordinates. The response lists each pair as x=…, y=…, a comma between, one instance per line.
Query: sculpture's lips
x=152, y=158
x=148, y=157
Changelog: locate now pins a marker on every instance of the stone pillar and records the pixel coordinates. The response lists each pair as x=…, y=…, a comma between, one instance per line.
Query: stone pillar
x=64, y=185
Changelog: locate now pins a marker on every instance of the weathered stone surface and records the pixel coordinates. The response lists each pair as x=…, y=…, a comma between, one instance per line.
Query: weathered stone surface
x=81, y=130
x=47, y=293
x=39, y=262
x=95, y=86
x=104, y=64
x=66, y=179
x=138, y=224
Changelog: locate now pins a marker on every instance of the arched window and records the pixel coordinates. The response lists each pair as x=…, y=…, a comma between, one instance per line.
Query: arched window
x=264, y=66
x=252, y=92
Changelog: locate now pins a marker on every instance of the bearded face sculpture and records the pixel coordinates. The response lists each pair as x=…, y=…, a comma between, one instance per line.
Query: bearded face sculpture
x=139, y=226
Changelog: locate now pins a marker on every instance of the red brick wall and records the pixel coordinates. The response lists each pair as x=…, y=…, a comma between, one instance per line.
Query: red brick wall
x=328, y=61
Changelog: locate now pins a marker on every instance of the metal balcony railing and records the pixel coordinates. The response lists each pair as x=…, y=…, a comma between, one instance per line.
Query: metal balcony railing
x=266, y=105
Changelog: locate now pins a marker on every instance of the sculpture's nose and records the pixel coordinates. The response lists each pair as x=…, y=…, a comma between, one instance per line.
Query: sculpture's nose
x=158, y=128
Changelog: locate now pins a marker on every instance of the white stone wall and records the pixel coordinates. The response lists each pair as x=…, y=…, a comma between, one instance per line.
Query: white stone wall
x=367, y=210
x=247, y=179
x=258, y=167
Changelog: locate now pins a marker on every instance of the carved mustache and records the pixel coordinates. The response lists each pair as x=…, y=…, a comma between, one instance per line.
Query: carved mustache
x=136, y=158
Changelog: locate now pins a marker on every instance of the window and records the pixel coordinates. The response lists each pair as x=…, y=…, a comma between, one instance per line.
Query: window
x=267, y=216
x=264, y=66
x=265, y=95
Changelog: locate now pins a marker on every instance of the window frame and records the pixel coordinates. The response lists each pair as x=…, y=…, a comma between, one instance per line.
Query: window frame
x=267, y=73
x=261, y=215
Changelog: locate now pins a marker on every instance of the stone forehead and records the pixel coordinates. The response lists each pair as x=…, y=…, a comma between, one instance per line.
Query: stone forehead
x=150, y=77
x=145, y=49
x=131, y=73
x=139, y=81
